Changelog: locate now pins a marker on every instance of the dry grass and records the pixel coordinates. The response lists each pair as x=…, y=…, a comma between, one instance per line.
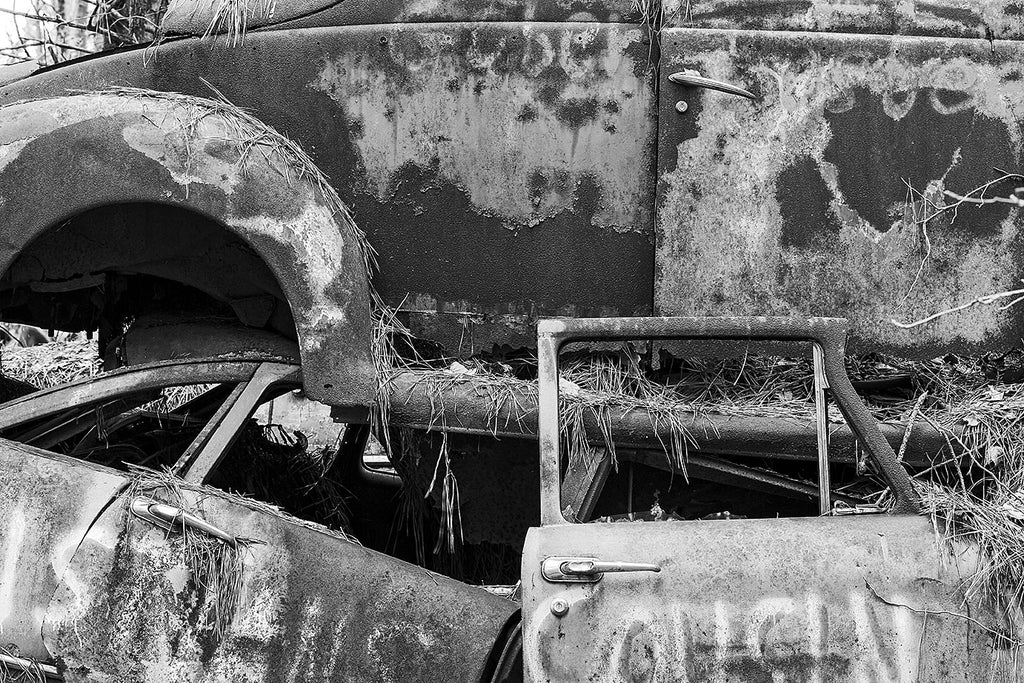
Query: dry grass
x=975, y=488
x=49, y=365
x=216, y=566
x=232, y=17
x=25, y=671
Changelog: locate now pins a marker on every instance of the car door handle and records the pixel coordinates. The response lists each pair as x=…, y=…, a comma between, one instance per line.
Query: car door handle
x=173, y=518
x=693, y=79
x=587, y=569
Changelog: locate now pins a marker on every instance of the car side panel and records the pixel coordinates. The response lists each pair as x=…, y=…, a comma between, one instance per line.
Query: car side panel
x=309, y=606
x=824, y=194
x=500, y=170
x=990, y=20
x=47, y=503
x=868, y=598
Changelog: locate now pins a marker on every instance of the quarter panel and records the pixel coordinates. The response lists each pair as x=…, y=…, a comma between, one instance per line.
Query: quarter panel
x=308, y=605
x=47, y=503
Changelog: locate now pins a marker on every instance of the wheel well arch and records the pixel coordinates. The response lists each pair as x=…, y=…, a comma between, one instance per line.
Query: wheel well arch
x=183, y=189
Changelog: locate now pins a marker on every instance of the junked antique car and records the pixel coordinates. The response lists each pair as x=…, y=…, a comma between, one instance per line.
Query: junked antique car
x=425, y=203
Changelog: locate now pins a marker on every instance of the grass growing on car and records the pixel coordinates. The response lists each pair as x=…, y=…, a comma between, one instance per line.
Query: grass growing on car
x=215, y=566
x=974, y=488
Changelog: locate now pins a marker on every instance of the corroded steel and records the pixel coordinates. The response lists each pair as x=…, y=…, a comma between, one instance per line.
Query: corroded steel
x=501, y=171
x=135, y=148
x=476, y=407
x=310, y=606
x=810, y=200
x=47, y=503
x=829, y=599
x=987, y=19
x=827, y=334
x=194, y=17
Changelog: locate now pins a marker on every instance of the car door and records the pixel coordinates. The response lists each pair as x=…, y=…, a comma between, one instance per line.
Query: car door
x=177, y=580
x=824, y=192
x=861, y=597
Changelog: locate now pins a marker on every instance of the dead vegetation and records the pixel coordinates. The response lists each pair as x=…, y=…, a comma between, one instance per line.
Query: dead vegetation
x=48, y=32
x=974, y=488
x=15, y=668
x=215, y=567
x=49, y=365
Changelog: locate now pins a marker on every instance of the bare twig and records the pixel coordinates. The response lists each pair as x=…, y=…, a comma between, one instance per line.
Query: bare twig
x=984, y=300
x=988, y=629
x=61, y=22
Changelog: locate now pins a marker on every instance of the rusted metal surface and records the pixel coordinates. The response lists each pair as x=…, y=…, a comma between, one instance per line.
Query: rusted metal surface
x=153, y=340
x=47, y=503
x=827, y=334
x=501, y=171
x=986, y=19
x=732, y=602
x=120, y=383
x=505, y=170
x=311, y=606
x=469, y=409
x=140, y=149
x=795, y=203
x=194, y=17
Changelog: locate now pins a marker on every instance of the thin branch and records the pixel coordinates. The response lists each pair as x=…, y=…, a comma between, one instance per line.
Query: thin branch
x=36, y=43
x=967, y=199
x=985, y=300
x=988, y=629
x=62, y=22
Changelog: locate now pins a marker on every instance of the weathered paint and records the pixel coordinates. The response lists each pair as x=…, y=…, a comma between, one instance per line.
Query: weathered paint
x=516, y=116
x=47, y=503
x=988, y=19
x=501, y=171
x=311, y=605
x=732, y=603
x=476, y=405
x=179, y=151
x=794, y=204
x=194, y=17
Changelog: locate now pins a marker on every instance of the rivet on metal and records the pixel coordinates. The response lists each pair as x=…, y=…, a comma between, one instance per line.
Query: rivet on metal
x=559, y=607
x=682, y=106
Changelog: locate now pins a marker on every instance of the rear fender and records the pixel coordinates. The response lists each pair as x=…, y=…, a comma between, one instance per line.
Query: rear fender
x=62, y=156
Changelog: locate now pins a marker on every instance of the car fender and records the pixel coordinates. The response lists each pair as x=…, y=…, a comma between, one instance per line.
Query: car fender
x=64, y=155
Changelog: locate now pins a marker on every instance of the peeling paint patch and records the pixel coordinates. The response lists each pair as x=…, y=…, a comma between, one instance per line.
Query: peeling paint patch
x=172, y=148
x=798, y=204
x=490, y=105
x=47, y=503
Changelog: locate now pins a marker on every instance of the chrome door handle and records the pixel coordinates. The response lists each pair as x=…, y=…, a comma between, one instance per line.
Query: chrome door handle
x=587, y=569
x=693, y=79
x=172, y=518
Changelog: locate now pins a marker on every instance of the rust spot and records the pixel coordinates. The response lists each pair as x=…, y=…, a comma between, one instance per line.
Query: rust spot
x=577, y=112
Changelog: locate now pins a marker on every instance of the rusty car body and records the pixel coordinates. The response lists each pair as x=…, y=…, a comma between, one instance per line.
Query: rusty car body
x=84, y=539
x=480, y=167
